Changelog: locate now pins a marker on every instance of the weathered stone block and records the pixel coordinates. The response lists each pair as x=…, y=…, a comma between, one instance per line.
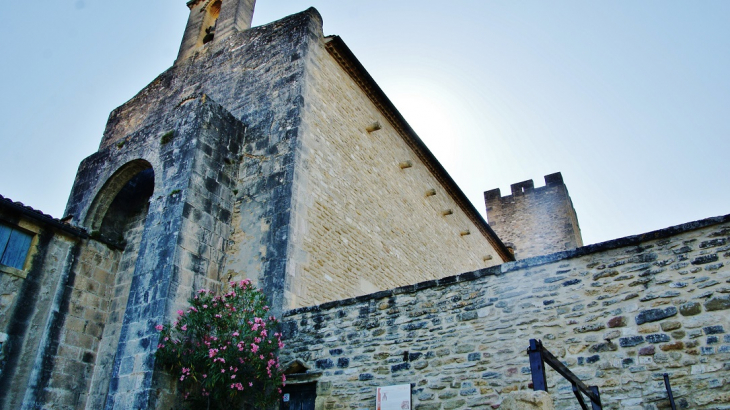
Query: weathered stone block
x=646, y=351
x=718, y=303
x=602, y=347
x=653, y=315
x=618, y=321
x=657, y=338
x=668, y=326
x=690, y=309
x=605, y=274
x=703, y=259
x=527, y=400
x=631, y=341
x=593, y=327
x=324, y=364
x=713, y=330
x=672, y=346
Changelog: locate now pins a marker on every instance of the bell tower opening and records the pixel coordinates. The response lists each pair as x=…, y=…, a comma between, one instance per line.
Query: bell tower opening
x=213, y=20
x=210, y=20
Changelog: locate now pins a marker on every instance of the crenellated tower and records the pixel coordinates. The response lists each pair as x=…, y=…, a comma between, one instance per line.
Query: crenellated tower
x=534, y=221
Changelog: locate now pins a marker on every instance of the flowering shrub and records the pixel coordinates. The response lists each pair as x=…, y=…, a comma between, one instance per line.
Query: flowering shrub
x=223, y=349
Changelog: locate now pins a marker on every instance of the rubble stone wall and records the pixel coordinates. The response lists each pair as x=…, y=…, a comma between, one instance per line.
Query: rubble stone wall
x=619, y=314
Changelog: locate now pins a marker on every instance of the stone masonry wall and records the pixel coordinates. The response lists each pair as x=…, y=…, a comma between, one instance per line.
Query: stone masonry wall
x=535, y=221
x=33, y=308
x=257, y=76
x=176, y=247
x=619, y=314
x=72, y=365
x=364, y=217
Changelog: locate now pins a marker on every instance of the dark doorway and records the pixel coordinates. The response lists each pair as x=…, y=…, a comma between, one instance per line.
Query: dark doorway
x=301, y=396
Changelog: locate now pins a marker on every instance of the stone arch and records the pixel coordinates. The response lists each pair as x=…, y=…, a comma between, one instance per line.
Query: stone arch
x=116, y=217
x=111, y=189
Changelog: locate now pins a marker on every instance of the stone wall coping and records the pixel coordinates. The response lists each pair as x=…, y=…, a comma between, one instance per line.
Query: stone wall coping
x=505, y=268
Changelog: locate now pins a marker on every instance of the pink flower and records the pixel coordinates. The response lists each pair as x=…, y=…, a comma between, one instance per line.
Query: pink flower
x=254, y=348
x=223, y=370
x=233, y=376
x=184, y=328
x=236, y=334
x=180, y=312
x=205, y=376
x=250, y=384
x=159, y=327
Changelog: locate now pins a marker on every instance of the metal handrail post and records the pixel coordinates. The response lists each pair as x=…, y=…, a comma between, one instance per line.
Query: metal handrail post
x=537, y=366
x=594, y=405
x=669, y=391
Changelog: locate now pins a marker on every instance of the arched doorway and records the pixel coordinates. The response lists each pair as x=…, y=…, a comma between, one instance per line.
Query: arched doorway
x=117, y=218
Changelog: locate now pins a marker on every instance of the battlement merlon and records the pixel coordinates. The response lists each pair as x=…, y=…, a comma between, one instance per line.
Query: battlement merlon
x=536, y=221
x=524, y=187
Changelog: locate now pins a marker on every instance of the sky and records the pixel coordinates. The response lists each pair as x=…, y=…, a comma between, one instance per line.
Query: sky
x=629, y=100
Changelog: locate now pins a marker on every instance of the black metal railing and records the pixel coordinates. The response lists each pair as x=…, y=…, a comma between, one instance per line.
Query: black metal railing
x=670, y=396
x=539, y=356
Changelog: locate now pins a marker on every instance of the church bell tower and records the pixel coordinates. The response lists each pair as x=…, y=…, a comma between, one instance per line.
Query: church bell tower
x=214, y=20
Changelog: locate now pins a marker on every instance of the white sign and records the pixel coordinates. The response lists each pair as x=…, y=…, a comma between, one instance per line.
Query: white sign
x=286, y=397
x=394, y=397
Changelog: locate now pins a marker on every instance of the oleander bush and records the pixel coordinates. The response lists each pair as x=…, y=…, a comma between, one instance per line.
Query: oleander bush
x=223, y=350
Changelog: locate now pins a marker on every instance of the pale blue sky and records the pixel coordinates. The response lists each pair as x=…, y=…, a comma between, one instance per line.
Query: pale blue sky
x=629, y=100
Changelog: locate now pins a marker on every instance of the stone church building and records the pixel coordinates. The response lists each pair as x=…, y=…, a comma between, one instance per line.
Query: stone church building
x=270, y=153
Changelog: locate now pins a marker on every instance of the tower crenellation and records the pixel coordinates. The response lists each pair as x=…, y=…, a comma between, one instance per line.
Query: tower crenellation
x=534, y=221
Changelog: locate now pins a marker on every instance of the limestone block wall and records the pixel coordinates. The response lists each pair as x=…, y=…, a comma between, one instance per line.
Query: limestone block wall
x=33, y=304
x=368, y=213
x=619, y=314
x=535, y=221
x=173, y=245
x=257, y=76
x=69, y=369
